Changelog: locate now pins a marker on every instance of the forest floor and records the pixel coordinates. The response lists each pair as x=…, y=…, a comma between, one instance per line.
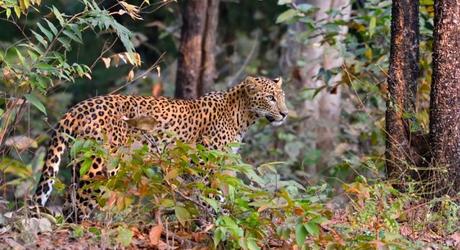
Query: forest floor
x=42, y=234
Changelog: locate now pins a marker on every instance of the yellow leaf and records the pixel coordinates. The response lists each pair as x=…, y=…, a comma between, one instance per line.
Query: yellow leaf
x=171, y=174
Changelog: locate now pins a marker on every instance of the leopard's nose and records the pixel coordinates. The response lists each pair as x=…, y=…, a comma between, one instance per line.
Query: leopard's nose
x=284, y=114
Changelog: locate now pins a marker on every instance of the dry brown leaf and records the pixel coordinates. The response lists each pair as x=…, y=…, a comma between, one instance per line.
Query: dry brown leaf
x=455, y=238
x=112, y=199
x=130, y=76
x=155, y=234
x=106, y=61
x=13, y=244
x=137, y=59
x=163, y=246
x=133, y=10
x=116, y=60
x=21, y=142
x=157, y=89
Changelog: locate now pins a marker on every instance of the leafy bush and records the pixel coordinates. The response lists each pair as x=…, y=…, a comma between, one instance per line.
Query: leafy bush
x=180, y=188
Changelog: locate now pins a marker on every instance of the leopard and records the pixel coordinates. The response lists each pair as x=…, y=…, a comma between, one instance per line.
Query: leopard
x=213, y=120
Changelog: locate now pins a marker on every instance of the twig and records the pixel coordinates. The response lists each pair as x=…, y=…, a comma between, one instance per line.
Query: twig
x=103, y=52
x=182, y=241
x=155, y=64
x=204, y=208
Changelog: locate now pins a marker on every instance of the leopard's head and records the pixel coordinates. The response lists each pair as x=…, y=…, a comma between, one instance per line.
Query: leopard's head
x=266, y=98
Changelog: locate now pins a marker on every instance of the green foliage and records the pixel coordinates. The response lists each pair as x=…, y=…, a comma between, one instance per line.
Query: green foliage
x=258, y=205
x=40, y=61
x=17, y=7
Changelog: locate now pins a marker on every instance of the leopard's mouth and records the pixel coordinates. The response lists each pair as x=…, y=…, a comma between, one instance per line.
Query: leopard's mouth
x=270, y=118
x=274, y=121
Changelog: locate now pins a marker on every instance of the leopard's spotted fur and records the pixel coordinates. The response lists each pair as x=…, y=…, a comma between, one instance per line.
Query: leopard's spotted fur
x=213, y=120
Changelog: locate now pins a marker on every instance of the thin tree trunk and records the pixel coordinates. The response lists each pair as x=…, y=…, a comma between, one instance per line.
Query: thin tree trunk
x=445, y=97
x=208, y=74
x=402, y=88
x=196, y=64
x=190, y=51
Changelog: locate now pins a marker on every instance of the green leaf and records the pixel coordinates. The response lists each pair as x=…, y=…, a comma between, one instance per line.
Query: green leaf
x=426, y=2
x=36, y=102
x=305, y=7
x=32, y=54
x=17, y=10
x=283, y=2
x=85, y=166
x=125, y=236
x=20, y=56
x=78, y=232
x=219, y=235
x=234, y=229
x=300, y=234
x=45, y=67
x=312, y=228
x=58, y=16
x=213, y=203
x=47, y=33
x=182, y=214
x=166, y=203
x=286, y=16
x=372, y=25
x=40, y=38
x=76, y=31
x=52, y=27
x=72, y=36
x=252, y=243
x=65, y=42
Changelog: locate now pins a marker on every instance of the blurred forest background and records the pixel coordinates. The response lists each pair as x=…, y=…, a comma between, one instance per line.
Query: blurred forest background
x=332, y=54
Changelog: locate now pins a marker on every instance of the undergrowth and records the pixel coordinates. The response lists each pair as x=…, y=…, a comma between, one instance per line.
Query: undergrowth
x=174, y=198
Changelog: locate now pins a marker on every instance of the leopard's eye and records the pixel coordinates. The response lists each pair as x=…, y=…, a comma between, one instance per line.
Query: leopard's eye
x=271, y=98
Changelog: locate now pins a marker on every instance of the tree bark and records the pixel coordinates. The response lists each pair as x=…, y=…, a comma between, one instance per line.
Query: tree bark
x=208, y=73
x=402, y=88
x=445, y=97
x=196, y=64
x=190, y=53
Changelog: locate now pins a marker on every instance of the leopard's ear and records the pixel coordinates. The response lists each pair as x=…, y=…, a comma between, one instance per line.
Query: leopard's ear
x=250, y=79
x=252, y=85
x=278, y=81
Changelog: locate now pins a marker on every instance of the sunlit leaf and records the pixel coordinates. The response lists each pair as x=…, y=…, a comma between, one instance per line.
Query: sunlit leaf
x=286, y=16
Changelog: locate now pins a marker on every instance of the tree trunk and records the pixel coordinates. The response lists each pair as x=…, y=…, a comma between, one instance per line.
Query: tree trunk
x=208, y=73
x=195, y=68
x=445, y=97
x=402, y=88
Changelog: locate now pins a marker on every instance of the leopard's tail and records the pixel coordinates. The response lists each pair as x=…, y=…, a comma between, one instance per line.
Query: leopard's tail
x=57, y=146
